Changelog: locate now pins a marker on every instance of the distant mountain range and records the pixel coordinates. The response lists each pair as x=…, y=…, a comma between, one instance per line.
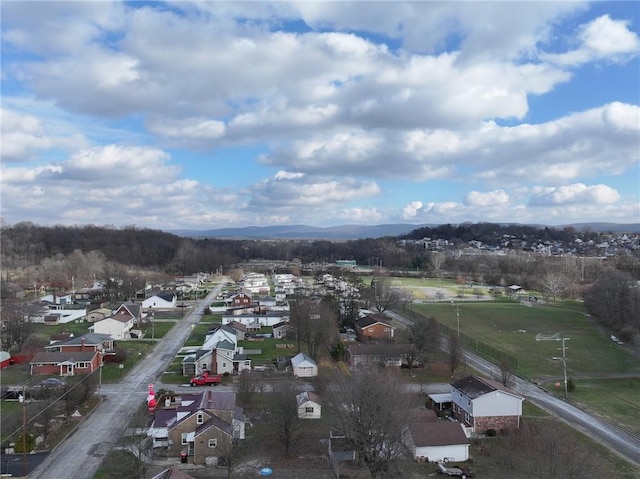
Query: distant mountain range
x=352, y=232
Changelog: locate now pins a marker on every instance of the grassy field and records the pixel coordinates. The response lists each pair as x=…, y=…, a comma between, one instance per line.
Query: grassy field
x=512, y=327
x=591, y=355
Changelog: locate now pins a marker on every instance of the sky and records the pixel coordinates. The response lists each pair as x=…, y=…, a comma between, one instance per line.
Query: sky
x=203, y=115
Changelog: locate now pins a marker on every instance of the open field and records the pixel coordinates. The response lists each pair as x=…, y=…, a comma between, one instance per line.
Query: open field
x=512, y=327
x=591, y=356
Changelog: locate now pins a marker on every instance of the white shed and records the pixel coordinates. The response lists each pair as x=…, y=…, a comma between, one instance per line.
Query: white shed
x=303, y=366
x=309, y=406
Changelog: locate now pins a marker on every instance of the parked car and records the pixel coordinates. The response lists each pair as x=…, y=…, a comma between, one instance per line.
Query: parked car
x=51, y=383
x=453, y=470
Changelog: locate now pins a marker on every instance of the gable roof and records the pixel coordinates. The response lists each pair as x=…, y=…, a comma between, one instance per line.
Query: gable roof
x=90, y=339
x=282, y=324
x=473, y=387
x=367, y=321
x=58, y=357
x=305, y=396
x=300, y=359
x=439, y=433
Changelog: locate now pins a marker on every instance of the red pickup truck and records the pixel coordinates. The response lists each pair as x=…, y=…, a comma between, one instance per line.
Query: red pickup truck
x=206, y=379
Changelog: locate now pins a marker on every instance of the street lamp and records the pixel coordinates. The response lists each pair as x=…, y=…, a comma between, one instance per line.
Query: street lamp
x=457, y=316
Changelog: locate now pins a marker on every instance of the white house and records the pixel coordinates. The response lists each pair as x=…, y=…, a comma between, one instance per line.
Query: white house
x=484, y=404
x=308, y=405
x=118, y=327
x=160, y=301
x=303, y=366
x=223, y=333
x=266, y=319
x=432, y=440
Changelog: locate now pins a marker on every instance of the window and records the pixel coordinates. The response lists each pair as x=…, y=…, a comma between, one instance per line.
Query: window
x=184, y=438
x=386, y=329
x=200, y=418
x=308, y=409
x=82, y=365
x=213, y=443
x=224, y=365
x=204, y=366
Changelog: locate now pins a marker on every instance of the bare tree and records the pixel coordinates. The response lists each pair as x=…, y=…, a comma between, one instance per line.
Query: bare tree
x=423, y=338
x=553, y=284
x=550, y=449
x=247, y=387
x=506, y=372
x=372, y=407
x=455, y=353
x=283, y=409
x=384, y=296
x=136, y=442
x=17, y=324
x=437, y=260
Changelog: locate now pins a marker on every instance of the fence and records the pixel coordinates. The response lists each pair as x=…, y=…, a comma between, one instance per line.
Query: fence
x=482, y=349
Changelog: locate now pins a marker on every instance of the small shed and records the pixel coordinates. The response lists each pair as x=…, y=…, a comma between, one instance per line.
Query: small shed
x=303, y=366
x=309, y=406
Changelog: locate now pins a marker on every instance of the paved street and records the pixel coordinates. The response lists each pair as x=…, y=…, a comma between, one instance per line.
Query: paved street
x=614, y=438
x=80, y=456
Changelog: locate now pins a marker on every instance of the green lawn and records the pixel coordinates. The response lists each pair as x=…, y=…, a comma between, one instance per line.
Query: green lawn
x=158, y=329
x=612, y=399
x=136, y=350
x=512, y=328
x=268, y=348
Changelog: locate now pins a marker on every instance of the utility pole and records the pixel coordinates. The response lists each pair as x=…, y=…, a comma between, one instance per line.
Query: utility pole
x=457, y=316
x=23, y=399
x=556, y=337
x=564, y=362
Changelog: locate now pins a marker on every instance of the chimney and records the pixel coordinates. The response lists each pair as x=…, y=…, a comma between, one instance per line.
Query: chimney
x=82, y=344
x=210, y=399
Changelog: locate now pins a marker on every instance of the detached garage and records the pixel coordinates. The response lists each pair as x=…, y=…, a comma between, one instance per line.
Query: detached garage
x=303, y=366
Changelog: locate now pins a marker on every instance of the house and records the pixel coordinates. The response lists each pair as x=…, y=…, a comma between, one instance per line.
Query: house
x=432, y=440
x=59, y=299
x=200, y=425
x=57, y=314
x=71, y=357
x=93, y=341
x=196, y=362
x=240, y=300
x=267, y=302
x=268, y=318
x=240, y=329
x=98, y=314
x=226, y=356
x=308, y=405
x=280, y=330
x=160, y=301
x=382, y=353
x=118, y=326
x=66, y=363
x=133, y=310
x=303, y=366
x=483, y=404
x=374, y=328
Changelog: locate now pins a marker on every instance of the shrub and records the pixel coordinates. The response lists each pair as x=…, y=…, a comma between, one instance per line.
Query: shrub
x=491, y=432
x=571, y=385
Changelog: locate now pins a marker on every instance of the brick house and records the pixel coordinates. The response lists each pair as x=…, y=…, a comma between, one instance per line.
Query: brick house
x=483, y=404
x=73, y=356
x=374, y=328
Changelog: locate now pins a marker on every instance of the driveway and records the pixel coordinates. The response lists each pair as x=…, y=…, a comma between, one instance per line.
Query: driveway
x=81, y=454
